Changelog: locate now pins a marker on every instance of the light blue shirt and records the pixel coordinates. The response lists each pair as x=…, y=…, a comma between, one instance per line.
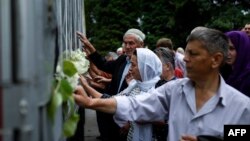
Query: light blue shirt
x=177, y=99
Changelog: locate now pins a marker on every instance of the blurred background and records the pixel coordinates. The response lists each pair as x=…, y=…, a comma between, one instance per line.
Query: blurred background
x=107, y=20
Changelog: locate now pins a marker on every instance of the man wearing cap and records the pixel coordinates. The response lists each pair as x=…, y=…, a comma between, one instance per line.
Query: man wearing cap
x=132, y=39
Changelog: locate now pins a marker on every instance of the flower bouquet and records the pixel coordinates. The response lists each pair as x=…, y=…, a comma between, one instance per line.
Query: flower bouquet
x=70, y=66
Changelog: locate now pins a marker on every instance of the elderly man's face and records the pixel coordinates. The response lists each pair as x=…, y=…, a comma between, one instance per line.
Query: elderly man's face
x=130, y=44
x=198, y=61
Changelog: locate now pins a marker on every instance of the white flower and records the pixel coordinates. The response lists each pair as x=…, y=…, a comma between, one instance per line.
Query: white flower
x=73, y=80
x=78, y=58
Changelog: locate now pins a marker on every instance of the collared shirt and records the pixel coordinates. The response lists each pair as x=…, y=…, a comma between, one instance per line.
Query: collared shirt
x=177, y=99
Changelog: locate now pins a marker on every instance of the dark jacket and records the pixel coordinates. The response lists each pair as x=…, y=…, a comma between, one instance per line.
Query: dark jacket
x=109, y=130
x=115, y=68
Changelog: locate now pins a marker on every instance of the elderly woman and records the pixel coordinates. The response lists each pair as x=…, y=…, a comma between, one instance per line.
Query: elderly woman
x=167, y=57
x=146, y=69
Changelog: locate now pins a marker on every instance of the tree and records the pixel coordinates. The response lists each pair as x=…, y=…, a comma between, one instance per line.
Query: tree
x=108, y=20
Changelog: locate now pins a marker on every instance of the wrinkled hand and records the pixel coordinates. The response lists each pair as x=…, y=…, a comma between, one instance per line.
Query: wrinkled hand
x=88, y=47
x=101, y=79
x=188, y=138
x=81, y=98
x=84, y=81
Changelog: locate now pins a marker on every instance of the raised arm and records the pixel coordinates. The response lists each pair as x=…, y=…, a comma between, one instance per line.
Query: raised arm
x=94, y=70
x=90, y=91
x=104, y=105
x=87, y=45
x=96, y=58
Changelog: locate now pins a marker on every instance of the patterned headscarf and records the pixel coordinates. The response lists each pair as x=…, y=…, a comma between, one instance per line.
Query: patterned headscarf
x=240, y=76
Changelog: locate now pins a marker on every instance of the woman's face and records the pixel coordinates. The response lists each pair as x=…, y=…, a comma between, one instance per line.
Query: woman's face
x=231, y=54
x=134, y=68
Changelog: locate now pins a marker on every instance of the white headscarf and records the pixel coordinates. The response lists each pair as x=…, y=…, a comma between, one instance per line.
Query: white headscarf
x=150, y=68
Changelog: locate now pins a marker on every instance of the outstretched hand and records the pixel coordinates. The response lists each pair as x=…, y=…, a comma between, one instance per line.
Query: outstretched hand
x=101, y=79
x=88, y=47
x=81, y=97
x=84, y=81
x=97, y=103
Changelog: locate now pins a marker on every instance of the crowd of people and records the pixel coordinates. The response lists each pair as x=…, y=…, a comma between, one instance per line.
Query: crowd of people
x=166, y=94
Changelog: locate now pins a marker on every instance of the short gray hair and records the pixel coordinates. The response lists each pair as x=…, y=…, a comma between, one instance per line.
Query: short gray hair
x=166, y=55
x=213, y=41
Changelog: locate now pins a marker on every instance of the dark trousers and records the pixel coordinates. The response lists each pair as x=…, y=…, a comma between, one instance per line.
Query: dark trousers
x=108, y=129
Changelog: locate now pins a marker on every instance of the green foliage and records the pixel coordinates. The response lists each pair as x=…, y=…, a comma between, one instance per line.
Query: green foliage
x=55, y=101
x=62, y=94
x=69, y=68
x=70, y=65
x=65, y=89
x=230, y=17
x=108, y=20
x=70, y=125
